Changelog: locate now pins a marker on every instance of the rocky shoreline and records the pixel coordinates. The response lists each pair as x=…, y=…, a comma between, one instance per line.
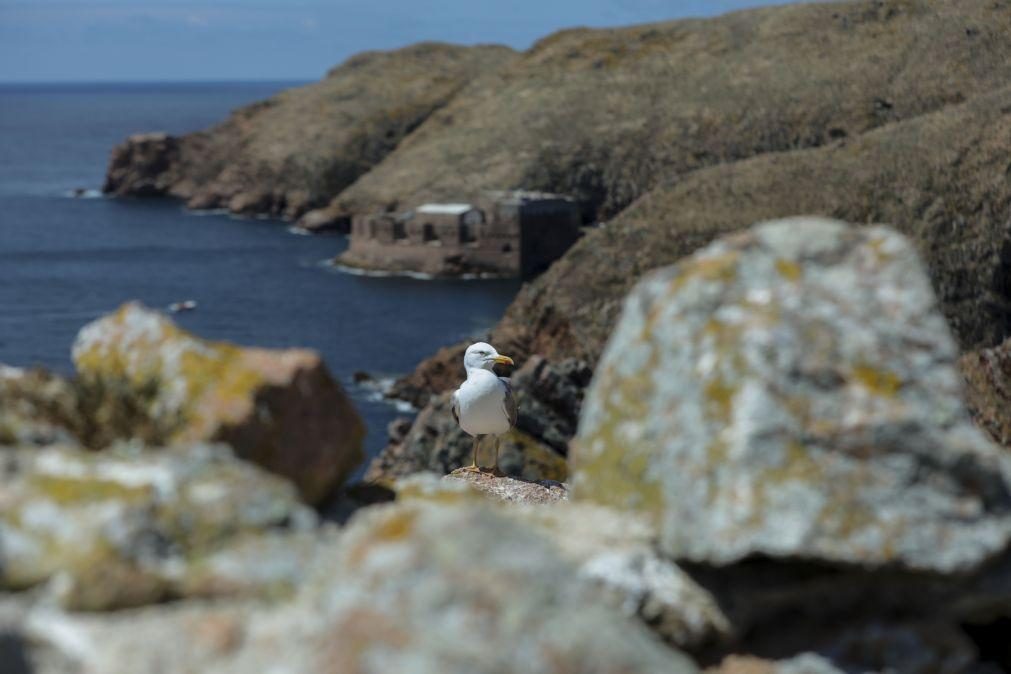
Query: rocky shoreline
x=773, y=470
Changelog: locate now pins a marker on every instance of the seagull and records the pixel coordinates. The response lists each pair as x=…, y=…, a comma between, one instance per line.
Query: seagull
x=484, y=404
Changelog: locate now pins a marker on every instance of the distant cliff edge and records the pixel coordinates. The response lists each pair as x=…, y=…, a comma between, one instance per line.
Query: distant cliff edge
x=295, y=151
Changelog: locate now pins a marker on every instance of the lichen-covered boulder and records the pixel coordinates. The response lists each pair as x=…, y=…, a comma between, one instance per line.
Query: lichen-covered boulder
x=791, y=393
x=130, y=525
x=36, y=408
x=280, y=409
x=615, y=552
x=612, y=551
x=420, y=587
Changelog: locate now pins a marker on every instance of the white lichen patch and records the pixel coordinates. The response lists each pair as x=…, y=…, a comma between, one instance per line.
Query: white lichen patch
x=799, y=399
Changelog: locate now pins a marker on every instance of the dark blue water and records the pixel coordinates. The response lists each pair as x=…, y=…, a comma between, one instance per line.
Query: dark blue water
x=65, y=261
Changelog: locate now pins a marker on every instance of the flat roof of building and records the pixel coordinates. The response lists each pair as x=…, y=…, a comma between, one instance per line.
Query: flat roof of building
x=446, y=209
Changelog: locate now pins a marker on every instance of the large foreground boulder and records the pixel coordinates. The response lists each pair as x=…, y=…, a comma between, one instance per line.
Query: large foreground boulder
x=280, y=409
x=790, y=392
x=129, y=526
x=416, y=587
x=784, y=406
x=612, y=551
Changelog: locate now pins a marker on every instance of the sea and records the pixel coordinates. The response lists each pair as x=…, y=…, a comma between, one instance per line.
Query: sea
x=66, y=260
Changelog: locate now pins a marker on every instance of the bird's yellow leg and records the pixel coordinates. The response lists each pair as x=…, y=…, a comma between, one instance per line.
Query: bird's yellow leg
x=495, y=470
x=473, y=467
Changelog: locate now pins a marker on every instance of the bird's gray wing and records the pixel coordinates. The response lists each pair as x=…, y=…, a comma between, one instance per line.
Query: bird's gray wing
x=509, y=403
x=455, y=407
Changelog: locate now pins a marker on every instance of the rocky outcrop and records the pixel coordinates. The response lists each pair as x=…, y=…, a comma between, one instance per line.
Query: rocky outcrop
x=785, y=406
x=279, y=409
x=987, y=374
x=140, y=166
x=615, y=552
x=292, y=153
x=792, y=392
x=443, y=371
x=134, y=526
x=419, y=587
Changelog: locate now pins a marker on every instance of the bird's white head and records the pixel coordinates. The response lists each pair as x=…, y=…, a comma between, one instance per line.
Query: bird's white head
x=481, y=356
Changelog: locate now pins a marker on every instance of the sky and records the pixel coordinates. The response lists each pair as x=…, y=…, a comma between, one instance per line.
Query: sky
x=184, y=40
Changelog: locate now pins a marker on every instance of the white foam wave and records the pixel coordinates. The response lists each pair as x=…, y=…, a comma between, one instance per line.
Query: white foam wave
x=382, y=273
x=377, y=391
x=84, y=194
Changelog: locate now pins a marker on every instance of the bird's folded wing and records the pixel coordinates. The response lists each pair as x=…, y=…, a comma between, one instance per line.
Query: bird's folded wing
x=509, y=402
x=456, y=407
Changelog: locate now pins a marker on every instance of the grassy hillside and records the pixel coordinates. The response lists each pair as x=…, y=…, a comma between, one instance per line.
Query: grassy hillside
x=608, y=115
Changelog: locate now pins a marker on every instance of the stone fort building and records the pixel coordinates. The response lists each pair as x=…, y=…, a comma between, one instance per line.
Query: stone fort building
x=513, y=234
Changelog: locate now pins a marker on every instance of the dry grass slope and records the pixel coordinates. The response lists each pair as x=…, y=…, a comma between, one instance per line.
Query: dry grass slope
x=610, y=114
x=942, y=179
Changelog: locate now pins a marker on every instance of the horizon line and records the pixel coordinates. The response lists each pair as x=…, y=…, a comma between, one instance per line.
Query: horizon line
x=215, y=80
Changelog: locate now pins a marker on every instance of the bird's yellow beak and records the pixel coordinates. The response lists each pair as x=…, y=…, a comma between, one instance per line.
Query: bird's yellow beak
x=503, y=360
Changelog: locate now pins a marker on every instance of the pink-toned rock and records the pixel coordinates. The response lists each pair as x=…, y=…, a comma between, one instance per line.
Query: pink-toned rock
x=280, y=409
x=505, y=488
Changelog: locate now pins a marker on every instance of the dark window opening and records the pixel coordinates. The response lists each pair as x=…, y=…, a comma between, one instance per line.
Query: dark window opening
x=428, y=232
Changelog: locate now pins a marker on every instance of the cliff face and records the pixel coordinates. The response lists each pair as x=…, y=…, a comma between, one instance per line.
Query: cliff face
x=298, y=149
x=941, y=179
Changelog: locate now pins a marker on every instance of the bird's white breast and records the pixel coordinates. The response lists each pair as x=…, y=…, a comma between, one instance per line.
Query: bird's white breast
x=481, y=404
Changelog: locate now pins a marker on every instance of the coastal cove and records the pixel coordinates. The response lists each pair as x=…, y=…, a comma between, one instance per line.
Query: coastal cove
x=65, y=261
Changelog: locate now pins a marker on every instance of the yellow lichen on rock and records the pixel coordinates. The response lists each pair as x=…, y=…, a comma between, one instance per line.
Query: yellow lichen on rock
x=280, y=409
x=789, y=392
